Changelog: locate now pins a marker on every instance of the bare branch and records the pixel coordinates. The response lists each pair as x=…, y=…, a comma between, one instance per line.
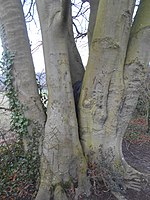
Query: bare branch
x=79, y=34
x=4, y=108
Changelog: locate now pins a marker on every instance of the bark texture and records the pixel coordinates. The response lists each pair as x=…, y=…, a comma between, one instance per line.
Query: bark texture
x=92, y=19
x=15, y=39
x=63, y=166
x=119, y=56
x=75, y=62
x=117, y=65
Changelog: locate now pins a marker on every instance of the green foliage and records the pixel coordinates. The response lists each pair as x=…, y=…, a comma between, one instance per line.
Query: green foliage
x=18, y=172
x=19, y=122
x=19, y=169
x=43, y=94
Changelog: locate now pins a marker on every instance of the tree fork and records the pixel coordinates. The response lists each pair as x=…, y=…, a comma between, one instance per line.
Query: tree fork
x=62, y=162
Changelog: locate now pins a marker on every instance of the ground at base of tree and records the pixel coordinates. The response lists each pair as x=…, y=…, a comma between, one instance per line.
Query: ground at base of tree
x=136, y=152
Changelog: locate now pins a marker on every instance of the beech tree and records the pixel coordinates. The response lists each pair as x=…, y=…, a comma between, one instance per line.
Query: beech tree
x=79, y=150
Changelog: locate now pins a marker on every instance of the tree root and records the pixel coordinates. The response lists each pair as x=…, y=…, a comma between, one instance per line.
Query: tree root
x=133, y=178
x=118, y=175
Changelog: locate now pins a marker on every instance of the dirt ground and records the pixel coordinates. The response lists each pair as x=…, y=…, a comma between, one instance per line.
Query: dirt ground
x=137, y=154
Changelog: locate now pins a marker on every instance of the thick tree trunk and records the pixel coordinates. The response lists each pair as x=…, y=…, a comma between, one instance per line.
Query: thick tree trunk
x=101, y=71
x=116, y=71
x=119, y=55
x=15, y=39
x=63, y=166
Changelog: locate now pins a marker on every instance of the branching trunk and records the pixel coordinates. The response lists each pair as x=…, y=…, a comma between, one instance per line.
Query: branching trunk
x=119, y=56
x=103, y=73
x=63, y=166
x=111, y=88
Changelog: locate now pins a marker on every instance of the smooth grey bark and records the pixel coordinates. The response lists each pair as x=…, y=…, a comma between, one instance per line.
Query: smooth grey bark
x=15, y=39
x=63, y=166
x=109, y=91
x=110, y=40
x=75, y=62
x=116, y=67
x=92, y=19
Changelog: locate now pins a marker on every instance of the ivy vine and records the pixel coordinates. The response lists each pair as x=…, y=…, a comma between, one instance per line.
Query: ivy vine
x=18, y=168
x=16, y=164
x=19, y=122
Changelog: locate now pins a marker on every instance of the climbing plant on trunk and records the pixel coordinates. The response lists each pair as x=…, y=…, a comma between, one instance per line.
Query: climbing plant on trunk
x=77, y=151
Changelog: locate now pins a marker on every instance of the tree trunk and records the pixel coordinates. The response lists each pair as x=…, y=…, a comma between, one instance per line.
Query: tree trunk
x=110, y=90
x=75, y=62
x=119, y=56
x=15, y=39
x=92, y=19
x=63, y=166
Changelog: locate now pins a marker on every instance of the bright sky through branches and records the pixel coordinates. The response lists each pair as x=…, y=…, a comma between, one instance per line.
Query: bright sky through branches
x=80, y=19
x=35, y=38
